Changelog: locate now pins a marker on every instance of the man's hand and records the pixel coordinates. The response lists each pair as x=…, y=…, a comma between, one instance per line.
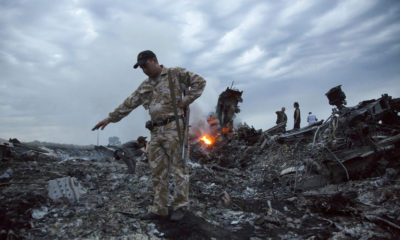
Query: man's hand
x=102, y=124
x=182, y=104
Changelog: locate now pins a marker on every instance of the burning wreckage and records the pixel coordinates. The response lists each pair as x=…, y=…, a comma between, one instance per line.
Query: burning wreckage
x=337, y=179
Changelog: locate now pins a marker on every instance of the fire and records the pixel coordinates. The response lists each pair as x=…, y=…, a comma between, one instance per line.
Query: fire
x=206, y=140
x=225, y=130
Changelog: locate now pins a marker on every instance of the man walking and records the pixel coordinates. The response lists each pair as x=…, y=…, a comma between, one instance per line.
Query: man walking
x=162, y=95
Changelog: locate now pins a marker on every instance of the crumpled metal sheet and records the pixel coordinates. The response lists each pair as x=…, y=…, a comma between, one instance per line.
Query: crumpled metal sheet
x=67, y=187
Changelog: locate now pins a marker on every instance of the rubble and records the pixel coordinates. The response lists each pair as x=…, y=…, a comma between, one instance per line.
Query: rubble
x=320, y=182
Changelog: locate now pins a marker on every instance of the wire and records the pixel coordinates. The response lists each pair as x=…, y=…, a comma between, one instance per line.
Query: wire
x=338, y=160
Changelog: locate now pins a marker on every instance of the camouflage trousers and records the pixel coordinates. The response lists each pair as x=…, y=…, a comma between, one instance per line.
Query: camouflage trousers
x=165, y=160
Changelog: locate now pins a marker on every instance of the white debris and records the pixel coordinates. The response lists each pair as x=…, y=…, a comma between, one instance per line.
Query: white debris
x=68, y=187
x=39, y=213
x=291, y=170
x=234, y=222
x=194, y=165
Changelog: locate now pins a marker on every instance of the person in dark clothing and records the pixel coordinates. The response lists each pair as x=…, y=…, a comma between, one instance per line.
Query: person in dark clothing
x=281, y=118
x=131, y=150
x=296, y=116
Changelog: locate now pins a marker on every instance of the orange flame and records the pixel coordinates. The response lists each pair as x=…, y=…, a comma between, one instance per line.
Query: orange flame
x=206, y=140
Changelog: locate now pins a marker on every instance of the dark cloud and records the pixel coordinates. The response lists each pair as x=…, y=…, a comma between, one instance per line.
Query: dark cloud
x=66, y=64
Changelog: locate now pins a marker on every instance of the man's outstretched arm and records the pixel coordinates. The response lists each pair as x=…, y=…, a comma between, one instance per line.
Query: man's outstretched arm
x=130, y=103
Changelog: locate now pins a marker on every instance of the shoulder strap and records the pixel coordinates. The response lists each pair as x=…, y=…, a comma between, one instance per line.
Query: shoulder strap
x=173, y=100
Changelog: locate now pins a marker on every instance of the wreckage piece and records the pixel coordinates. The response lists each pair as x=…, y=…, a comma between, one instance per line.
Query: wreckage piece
x=353, y=164
x=331, y=202
x=5, y=150
x=249, y=135
x=303, y=134
x=366, y=161
x=358, y=125
x=277, y=129
x=227, y=107
x=67, y=187
x=336, y=97
x=16, y=143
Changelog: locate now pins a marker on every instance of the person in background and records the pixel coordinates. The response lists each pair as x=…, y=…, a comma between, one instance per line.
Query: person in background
x=131, y=151
x=296, y=116
x=281, y=118
x=311, y=119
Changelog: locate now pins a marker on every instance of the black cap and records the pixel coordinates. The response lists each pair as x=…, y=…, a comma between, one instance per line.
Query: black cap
x=143, y=57
x=141, y=139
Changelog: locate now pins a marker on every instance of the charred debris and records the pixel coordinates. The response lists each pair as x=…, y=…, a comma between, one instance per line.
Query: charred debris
x=336, y=179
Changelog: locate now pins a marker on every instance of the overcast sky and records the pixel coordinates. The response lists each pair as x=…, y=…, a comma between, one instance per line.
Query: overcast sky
x=66, y=64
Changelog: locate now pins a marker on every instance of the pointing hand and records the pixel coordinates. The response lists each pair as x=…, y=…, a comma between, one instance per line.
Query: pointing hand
x=102, y=124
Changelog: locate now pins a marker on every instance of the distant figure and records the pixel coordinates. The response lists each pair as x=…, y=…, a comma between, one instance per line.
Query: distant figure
x=129, y=151
x=311, y=119
x=281, y=118
x=296, y=115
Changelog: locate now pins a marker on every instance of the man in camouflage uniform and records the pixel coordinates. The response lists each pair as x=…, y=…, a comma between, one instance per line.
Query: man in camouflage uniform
x=165, y=152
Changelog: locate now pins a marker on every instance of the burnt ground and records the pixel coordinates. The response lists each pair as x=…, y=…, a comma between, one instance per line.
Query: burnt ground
x=237, y=191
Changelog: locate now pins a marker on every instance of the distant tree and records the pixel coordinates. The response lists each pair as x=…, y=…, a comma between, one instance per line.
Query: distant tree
x=114, y=141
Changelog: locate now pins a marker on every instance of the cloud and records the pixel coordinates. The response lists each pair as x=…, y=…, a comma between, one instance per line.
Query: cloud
x=235, y=38
x=364, y=27
x=342, y=15
x=224, y=8
x=65, y=65
x=245, y=61
x=194, y=25
x=293, y=9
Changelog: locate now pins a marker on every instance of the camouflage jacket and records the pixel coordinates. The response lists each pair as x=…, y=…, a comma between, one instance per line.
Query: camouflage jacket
x=281, y=117
x=155, y=96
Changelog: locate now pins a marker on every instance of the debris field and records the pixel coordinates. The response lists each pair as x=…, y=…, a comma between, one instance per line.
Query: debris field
x=337, y=179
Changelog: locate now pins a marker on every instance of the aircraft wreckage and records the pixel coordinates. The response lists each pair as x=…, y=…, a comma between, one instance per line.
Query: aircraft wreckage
x=337, y=179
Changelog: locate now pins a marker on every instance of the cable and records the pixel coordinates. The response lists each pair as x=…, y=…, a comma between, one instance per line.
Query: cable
x=338, y=160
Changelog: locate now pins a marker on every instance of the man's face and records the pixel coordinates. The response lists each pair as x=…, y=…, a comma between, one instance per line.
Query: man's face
x=150, y=68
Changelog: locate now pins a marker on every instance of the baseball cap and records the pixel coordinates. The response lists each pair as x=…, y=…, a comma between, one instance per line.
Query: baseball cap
x=141, y=139
x=143, y=57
